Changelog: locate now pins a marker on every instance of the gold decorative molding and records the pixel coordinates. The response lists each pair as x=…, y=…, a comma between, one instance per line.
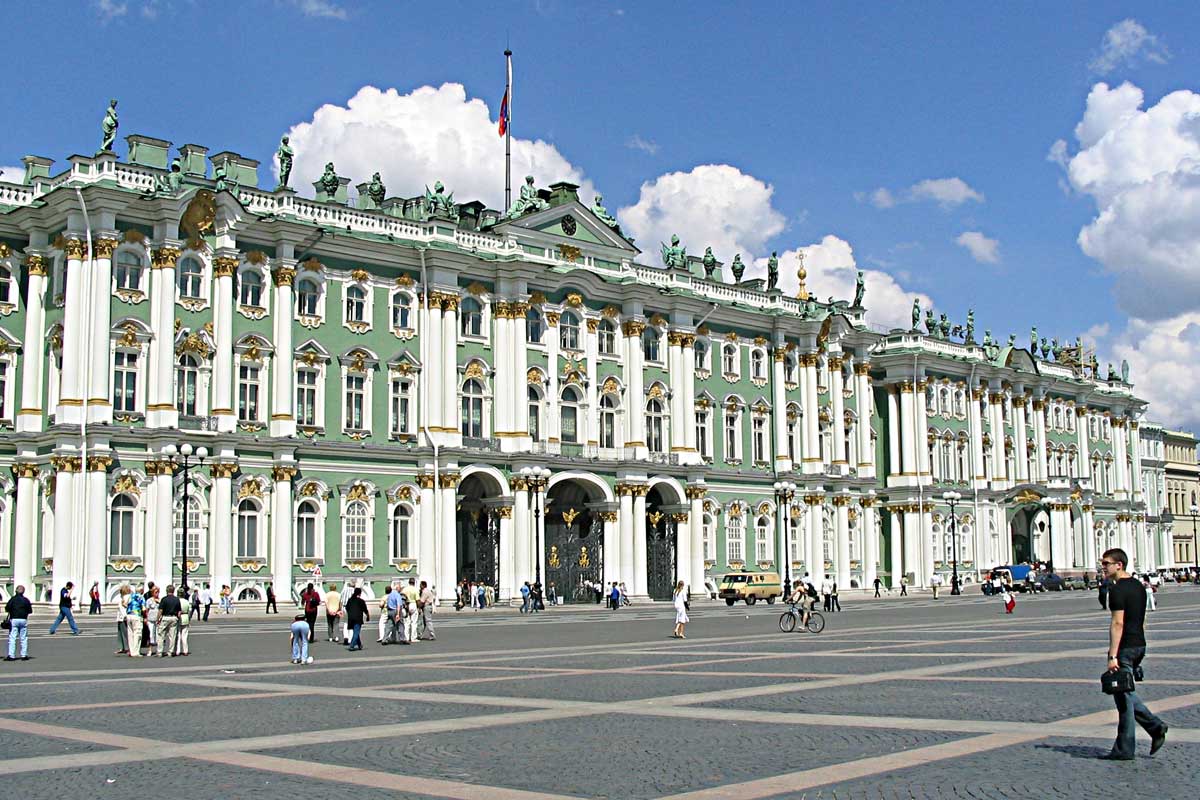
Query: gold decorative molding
x=404, y=280
x=24, y=469
x=99, y=463
x=552, y=318
x=75, y=249
x=569, y=253
x=103, y=248
x=223, y=469
x=360, y=275
x=282, y=474
x=449, y=480
x=36, y=264
x=633, y=328
x=164, y=258
x=283, y=276
x=224, y=266
x=126, y=484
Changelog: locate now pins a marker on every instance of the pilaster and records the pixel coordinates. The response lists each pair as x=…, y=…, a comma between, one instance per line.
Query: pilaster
x=281, y=528
x=25, y=523
x=283, y=376
x=160, y=399
x=224, y=268
x=783, y=460
x=30, y=414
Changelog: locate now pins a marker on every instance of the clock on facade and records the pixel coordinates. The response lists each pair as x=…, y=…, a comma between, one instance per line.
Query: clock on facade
x=568, y=225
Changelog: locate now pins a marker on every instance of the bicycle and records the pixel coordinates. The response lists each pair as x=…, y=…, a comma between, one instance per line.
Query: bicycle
x=789, y=618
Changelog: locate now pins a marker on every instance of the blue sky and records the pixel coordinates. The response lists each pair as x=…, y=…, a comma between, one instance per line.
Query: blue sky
x=811, y=109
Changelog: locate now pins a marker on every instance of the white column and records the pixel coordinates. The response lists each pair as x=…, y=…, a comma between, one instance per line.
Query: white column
x=99, y=393
x=612, y=548
x=996, y=416
x=426, y=536
x=695, y=496
x=518, y=360
x=976, y=425
x=841, y=505
x=522, y=537
x=683, y=548
x=1021, y=460
x=71, y=388
x=591, y=349
x=909, y=465
x=639, y=541
x=1039, y=436
x=812, y=431
x=25, y=524
x=816, y=538
x=1135, y=451
x=502, y=380
x=222, y=380
x=838, y=410
x=95, y=554
x=283, y=418
x=1090, y=559
x=920, y=434
x=1060, y=535
x=159, y=556
x=894, y=422
x=870, y=551
x=160, y=398
x=221, y=525
x=862, y=395
x=447, y=535
x=449, y=369
x=675, y=381
x=432, y=369
x=281, y=530
x=66, y=475
x=507, y=587
x=926, y=549
x=897, y=547
x=688, y=420
x=29, y=415
x=625, y=549
x=635, y=418
x=783, y=461
x=912, y=541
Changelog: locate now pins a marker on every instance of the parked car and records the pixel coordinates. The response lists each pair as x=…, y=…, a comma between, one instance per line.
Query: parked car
x=1052, y=582
x=1076, y=582
x=750, y=587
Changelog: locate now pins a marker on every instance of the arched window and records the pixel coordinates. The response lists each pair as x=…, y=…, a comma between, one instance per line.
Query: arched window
x=356, y=544
x=308, y=296
x=191, y=278
x=944, y=401
x=654, y=425
x=708, y=539
x=470, y=317
x=960, y=403
x=472, y=409
x=306, y=530
x=568, y=331
x=401, y=533
x=607, y=338
x=535, y=412
x=758, y=438
x=734, y=544
x=700, y=351
x=733, y=435
x=195, y=527
x=356, y=304
x=401, y=311
x=120, y=530
x=758, y=369
x=127, y=271
x=650, y=345
x=251, y=288
x=535, y=327
x=729, y=359
x=608, y=421
x=569, y=415
x=790, y=363
x=762, y=539
x=187, y=381
x=793, y=432
x=702, y=437
x=247, y=529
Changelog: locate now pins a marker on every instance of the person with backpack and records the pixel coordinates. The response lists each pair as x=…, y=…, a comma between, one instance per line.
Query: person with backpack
x=310, y=599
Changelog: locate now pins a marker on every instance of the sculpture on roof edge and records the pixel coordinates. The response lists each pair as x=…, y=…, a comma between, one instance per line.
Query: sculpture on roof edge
x=1033, y=340
x=527, y=201
x=969, y=336
x=1112, y=372
x=438, y=202
x=330, y=182
x=601, y=213
x=284, y=154
x=773, y=270
x=916, y=314
x=930, y=322
x=710, y=263
x=221, y=175
x=1045, y=348
x=1124, y=371
x=674, y=254
x=1055, y=349
x=376, y=190
x=173, y=181
x=944, y=326
x=1012, y=340
x=108, y=127
x=860, y=289
x=738, y=268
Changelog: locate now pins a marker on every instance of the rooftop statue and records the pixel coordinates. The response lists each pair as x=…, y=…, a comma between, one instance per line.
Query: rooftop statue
x=284, y=154
x=773, y=270
x=916, y=315
x=944, y=325
x=602, y=214
x=438, y=202
x=1124, y=371
x=1055, y=349
x=1045, y=348
x=1112, y=372
x=330, y=182
x=970, y=332
x=739, y=269
x=860, y=289
x=221, y=176
x=527, y=201
x=173, y=181
x=376, y=191
x=710, y=263
x=674, y=254
x=930, y=322
x=1012, y=340
x=1033, y=341
x=108, y=127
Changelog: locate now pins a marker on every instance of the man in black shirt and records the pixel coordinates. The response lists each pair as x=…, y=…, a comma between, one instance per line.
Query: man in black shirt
x=1126, y=649
x=18, y=609
x=169, y=609
x=64, y=609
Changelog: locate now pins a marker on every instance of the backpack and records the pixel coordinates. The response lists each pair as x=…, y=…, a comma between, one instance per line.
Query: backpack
x=811, y=591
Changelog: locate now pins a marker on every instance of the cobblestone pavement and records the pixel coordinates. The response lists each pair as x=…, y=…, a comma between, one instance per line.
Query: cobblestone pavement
x=899, y=698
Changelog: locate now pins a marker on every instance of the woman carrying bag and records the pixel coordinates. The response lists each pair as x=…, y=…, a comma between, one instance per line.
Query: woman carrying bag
x=681, y=606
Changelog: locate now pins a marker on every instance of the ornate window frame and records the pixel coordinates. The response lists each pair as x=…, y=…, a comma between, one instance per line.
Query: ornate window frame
x=358, y=362
x=138, y=292
x=317, y=493
x=406, y=497
x=199, y=487
x=412, y=303
x=137, y=520
x=359, y=281
x=301, y=312
x=311, y=357
x=203, y=299
x=358, y=492
x=256, y=489
x=263, y=272
x=253, y=351
x=130, y=336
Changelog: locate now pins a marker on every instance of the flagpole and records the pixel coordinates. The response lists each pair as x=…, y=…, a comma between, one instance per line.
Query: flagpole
x=508, y=132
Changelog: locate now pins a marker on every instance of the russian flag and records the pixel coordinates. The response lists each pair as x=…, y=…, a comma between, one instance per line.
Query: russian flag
x=504, y=114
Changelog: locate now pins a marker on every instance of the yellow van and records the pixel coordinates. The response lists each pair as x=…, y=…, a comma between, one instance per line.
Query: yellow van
x=750, y=587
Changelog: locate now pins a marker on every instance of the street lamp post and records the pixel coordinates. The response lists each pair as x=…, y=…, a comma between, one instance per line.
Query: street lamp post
x=185, y=458
x=1195, y=509
x=785, y=491
x=952, y=499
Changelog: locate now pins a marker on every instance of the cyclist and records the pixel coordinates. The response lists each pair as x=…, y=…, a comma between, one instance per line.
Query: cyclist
x=805, y=596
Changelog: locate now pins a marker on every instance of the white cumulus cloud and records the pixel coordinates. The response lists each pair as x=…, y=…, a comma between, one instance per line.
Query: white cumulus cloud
x=414, y=139
x=1125, y=44
x=882, y=198
x=946, y=192
x=12, y=174
x=981, y=248
x=713, y=205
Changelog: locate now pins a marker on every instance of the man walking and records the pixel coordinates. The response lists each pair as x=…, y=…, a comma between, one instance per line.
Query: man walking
x=310, y=599
x=185, y=618
x=195, y=604
x=393, y=629
x=333, y=613
x=411, y=597
x=425, y=604
x=878, y=584
x=525, y=591
x=168, y=623
x=1126, y=649
x=64, y=610
x=18, y=609
x=272, y=606
x=935, y=583
x=904, y=586
x=206, y=601
x=94, y=595
x=834, y=603
x=826, y=592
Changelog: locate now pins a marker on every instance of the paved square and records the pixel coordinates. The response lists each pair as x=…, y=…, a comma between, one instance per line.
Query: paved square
x=896, y=699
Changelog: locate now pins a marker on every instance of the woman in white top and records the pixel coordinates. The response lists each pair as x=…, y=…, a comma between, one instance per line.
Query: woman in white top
x=681, y=617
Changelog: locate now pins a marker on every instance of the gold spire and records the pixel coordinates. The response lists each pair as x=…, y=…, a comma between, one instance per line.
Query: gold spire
x=802, y=274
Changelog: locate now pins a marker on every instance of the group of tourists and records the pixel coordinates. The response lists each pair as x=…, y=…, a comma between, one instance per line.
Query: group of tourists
x=154, y=620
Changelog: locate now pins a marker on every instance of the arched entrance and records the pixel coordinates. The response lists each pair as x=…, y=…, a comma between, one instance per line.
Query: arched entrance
x=574, y=555
x=662, y=541
x=478, y=529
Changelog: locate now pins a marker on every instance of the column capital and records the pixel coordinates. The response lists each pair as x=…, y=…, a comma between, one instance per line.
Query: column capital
x=814, y=499
x=449, y=480
x=1038, y=404
x=835, y=362
x=608, y=516
x=223, y=469
x=75, y=249
x=99, y=463
x=633, y=327
x=159, y=467
x=36, y=264
x=66, y=463
x=1018, y=401
x=516, y=483
x=679, y=516
x=283, y=276
x=224, y=266
x=164, y=258
x=283, y=474
x=425, y=480
x=862, y=368
x=25, y=469
x=104, y=247
x=695, y=492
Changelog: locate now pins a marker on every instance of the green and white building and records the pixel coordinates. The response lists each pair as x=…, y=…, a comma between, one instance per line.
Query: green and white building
x=414, y=387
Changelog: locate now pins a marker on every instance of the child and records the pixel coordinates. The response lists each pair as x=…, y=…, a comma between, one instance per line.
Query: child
x=1010, y=600
x=300, y=631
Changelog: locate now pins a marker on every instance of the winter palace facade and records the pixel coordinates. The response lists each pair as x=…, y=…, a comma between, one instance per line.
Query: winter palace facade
x=418, y=387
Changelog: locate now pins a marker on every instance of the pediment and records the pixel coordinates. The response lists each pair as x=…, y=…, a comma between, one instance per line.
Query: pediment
x=569, y=223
